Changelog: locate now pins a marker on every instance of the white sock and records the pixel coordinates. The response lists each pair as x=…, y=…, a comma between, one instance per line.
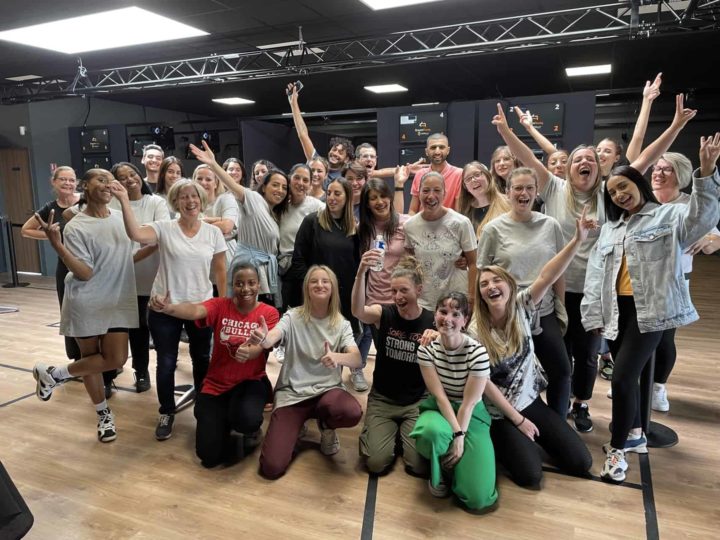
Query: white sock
x=634, y=436
x=100, y=407
x=60, y=373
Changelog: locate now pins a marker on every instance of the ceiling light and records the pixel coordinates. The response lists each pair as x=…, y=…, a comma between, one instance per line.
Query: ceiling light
x=234, y=101
x=589, y=70
x=387, y=4
x=386, y=88
x=101, y=31
x=426, y=104
x=20, y=78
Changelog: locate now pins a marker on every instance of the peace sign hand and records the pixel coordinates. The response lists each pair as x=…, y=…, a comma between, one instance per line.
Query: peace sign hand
x=51, y=230
x=709, y=153
x=682, y=115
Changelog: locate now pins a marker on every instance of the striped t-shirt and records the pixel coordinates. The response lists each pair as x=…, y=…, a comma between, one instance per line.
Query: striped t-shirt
x=454, y=366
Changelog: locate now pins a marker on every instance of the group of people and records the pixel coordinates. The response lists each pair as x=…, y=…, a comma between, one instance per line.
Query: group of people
x=476, y=302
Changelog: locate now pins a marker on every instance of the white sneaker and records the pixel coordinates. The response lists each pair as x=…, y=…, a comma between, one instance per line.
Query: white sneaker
x=357, y=380
x=45, y=381
x=660, y=402
x=609, y=394
x=614, y=468
x=329, y=442
x=106, y=426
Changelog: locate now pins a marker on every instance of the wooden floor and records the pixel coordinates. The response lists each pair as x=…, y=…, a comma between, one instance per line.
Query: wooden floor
x=136, y=487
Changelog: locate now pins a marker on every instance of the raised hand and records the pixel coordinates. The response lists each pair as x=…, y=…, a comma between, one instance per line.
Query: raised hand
x=652, y=89
x=159, y=303
x=499, y=120
x=584, y=225
x=328, y=359
x=709, y=152
x=205, y=155
x=401, y=175
x=369, y=259
x=51, y=230
x=682, y=115
x=417, y=166
x=258, y=335
x=525, y=118
x=292, y=94
x=118, y=190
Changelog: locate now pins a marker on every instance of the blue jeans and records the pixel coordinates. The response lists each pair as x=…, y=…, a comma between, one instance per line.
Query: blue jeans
x=165, y=331
x=364, y=340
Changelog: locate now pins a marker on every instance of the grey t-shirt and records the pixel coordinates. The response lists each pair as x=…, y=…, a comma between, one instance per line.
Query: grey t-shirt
x=303, y=376
x=555, y=197
x=109, y=298
x=226, y=207
x=522, y=248
x=291, y=220
x=258, y=229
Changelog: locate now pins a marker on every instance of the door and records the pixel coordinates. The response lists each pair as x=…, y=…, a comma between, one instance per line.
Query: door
x=16, y=184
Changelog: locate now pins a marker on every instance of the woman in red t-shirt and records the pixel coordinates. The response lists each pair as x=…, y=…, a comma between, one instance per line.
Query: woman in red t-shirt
x=229, y=407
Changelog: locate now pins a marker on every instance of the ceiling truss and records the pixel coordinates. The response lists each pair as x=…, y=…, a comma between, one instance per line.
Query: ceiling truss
x=623, y=20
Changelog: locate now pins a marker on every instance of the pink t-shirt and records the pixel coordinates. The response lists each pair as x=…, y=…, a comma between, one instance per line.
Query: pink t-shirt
x=453, y=178
x=378, y=283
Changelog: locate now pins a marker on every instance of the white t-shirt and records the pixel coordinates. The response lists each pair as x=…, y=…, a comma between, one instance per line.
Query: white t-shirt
x=147, y=209
x=258, y=229
x=291, y=220
x=185, y=262
x=437, y=245
x=226, y=207
x=108, y=299
x=555, y=199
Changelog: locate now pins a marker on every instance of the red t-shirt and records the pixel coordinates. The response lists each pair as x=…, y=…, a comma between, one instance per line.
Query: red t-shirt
x=230, y=330
x=453, y=179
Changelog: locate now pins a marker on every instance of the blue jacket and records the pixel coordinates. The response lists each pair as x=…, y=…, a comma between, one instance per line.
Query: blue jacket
x=653, y=241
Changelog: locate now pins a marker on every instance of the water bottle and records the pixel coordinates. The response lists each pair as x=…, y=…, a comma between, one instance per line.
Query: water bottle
x=379, y=243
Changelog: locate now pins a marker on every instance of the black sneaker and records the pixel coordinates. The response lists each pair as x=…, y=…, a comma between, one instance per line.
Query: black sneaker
x=163, y=431
x=184, y=337
x=106, y=426
x=142, y=382
x=109, y=389
x=581, y=417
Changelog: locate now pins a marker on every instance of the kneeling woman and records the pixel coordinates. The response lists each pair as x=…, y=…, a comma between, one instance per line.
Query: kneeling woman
x=236, y=386
x=502, y=322
x=453, y=430
x=318, y=343
x=398, y=385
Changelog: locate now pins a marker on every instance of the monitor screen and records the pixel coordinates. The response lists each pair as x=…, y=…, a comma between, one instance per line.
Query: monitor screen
x=546, y=117
x=415, y=127
x=94, y=141
x=410, y=154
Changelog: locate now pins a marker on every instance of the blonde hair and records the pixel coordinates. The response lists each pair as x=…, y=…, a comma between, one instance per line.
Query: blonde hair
x=408, y=267
x=498, y=203
x=498, y=347
x=682, y=167
x=347, y=221
x=219, y=186
x=500, y=182
x=334, y=313
x=174, y=193
x=571, y=201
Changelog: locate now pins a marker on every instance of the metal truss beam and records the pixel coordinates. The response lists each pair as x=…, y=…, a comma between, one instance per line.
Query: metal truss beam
x=611, y=21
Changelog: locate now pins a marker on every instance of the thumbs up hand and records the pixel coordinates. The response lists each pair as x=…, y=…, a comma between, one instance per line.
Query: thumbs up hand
x=258, y=335
x=328, y=359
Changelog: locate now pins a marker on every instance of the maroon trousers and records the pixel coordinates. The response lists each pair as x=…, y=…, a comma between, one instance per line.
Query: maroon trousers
x=335, y=408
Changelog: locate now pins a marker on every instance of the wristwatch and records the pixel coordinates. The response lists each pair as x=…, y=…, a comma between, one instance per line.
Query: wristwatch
x=458, y=434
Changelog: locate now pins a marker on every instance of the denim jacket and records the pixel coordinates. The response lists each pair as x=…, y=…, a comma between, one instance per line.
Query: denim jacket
x=653, y=241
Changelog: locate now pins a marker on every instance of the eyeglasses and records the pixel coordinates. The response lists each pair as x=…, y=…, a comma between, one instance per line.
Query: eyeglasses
x=663, y=170
x=368, y=156
x=476, y=176
x=519, y=189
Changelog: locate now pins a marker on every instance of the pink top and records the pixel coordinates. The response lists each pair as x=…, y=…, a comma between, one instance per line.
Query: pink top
x=378, y=283
x=453, y=179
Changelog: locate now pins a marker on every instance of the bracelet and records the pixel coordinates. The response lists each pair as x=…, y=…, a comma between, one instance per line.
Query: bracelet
x=520, y=423
x=399, y=188
x=262, y=341
x=459, y=434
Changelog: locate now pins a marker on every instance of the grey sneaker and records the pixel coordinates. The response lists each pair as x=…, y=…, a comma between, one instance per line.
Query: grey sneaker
x=106, y=426
x=329, y=442
x=357, y=380
x=163, y=431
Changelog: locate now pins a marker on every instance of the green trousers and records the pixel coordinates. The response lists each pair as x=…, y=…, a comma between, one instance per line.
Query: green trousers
x=474, y=475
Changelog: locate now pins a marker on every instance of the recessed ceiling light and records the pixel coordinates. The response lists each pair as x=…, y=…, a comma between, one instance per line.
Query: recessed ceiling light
x=600, y=69
x=106, y=30
x=234, y=101
x=426, y=104
x=386, y=88
x=387, y=4
x=23, y=78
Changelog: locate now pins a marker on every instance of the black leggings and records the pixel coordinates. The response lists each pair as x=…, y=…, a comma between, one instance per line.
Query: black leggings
x=140, y=338
x=582, y=347
x=550, y=350
x=521, y=456
x=239, y=409
x=665, y=356
x=631, y=351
